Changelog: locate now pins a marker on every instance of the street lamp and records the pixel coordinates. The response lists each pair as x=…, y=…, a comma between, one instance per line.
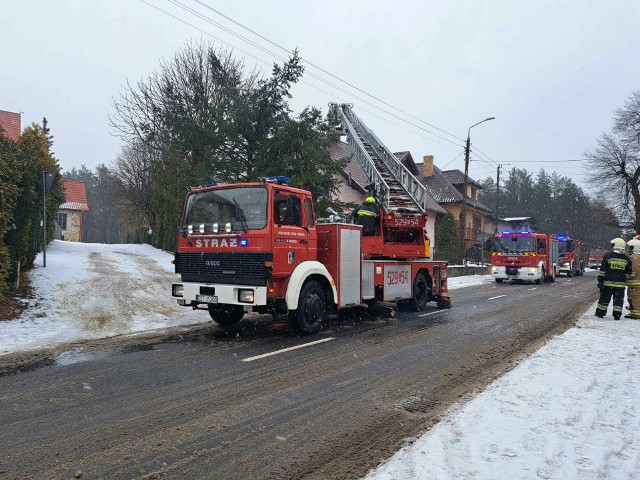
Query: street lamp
x=467, y=151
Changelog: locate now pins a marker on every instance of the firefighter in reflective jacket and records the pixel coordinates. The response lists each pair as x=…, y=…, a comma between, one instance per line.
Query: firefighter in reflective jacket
x=612, y=279
x=633, y=283
x=367, y=215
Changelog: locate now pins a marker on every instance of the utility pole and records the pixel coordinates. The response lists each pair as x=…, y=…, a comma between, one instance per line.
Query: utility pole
x=47, y=180
x=497, y=196
x=44, y=219
x=463, y=220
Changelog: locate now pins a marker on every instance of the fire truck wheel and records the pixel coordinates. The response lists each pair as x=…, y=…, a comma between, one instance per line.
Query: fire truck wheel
x=311, y=313
x=421, y=292
x=499, y=280
x=227, y=315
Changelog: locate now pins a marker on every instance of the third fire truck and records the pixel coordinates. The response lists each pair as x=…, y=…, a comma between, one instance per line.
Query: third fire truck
x=572, y=255
x=524, y=256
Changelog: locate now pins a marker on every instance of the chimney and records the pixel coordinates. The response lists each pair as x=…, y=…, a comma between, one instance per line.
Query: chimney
x=427, y=166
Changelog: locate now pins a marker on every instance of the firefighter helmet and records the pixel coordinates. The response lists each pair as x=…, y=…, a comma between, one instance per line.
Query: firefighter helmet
x=369, y=200
x=618, y=244
x=633, y=244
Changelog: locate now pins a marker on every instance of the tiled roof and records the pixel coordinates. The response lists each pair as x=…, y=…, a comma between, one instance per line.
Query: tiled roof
x=340, y=151
x=10, y=122
x=443, y=191
x=456, y=177
x=75, y=195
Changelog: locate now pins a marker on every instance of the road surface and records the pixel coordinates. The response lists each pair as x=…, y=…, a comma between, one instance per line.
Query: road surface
x=257, y=401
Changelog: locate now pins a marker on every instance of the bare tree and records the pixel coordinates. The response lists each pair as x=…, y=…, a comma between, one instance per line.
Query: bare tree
x=134, y=170
x=615, y=163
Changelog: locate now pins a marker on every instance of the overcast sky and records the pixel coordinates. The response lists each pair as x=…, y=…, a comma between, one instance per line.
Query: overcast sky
x=551, y=72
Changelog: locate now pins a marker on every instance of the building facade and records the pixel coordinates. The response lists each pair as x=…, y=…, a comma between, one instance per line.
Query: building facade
x=71, y=213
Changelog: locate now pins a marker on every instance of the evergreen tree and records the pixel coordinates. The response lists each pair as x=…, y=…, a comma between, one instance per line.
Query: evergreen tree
x=201, y=118
x=35, y=158
x=447, y=240
x=10, y=176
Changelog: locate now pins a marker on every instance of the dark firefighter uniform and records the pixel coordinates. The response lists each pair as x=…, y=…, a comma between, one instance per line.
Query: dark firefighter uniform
x=367, y=215
x=612, y=280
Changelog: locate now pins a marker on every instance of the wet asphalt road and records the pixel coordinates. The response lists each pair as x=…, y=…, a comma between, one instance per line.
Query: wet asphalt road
x=201, y=406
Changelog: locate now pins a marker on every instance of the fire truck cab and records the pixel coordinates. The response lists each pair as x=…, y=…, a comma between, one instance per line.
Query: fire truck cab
x=524, y=256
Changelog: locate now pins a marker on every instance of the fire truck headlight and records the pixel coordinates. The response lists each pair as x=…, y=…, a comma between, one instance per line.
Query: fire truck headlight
x=245, y=295
x=215, y=228
x=201, y=228
x=190, y=229
x=177, y=290
x=494, y=269
x=566, y=265
x=227, y=227
x=533, y=269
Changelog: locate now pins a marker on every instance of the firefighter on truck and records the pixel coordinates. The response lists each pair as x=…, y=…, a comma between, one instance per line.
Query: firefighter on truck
x=256, y=247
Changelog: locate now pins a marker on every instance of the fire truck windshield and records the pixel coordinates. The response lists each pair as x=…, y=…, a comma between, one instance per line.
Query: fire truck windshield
x=514, y=244
x=565, y=246
x=245, y=208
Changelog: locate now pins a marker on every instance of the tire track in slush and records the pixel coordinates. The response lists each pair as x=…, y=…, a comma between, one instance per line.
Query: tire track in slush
x=119, y=291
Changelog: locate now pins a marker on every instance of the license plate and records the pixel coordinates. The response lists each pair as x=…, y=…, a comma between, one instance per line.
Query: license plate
x=207, y=298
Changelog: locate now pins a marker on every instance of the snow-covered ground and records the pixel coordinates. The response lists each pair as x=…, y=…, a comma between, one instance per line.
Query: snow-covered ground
x=569, y=411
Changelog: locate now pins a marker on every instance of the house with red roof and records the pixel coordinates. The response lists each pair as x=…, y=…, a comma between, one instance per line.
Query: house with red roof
x=10, y=123
x=71, y=212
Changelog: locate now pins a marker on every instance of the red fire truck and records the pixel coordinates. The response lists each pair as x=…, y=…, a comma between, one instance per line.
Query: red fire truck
x=595, y=258
x=572, y=255
x=258, y=247
x=524, y=256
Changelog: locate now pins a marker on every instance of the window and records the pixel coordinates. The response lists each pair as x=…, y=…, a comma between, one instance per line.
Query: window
x=287, y=210
x=243, y=207
x=62, y=220
x=308, y=209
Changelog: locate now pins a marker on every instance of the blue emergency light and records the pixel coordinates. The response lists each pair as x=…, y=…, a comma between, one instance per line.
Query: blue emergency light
x=244, y=242
x=279, y=179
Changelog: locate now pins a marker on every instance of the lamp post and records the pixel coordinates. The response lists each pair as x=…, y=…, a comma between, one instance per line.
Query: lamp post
x=463, y=226
x=47, y=180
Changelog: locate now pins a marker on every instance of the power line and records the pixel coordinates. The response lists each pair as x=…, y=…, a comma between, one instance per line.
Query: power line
x=325, y=71
x=263, y=49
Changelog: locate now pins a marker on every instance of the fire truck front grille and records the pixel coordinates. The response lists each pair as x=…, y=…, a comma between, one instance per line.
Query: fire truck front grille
x=243, y=268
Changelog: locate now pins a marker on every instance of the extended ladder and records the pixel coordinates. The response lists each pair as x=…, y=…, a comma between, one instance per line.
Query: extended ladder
x=397, y=189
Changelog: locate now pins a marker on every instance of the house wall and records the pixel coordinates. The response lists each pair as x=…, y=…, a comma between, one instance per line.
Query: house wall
x=431, y=230
x=73, y=232
x=346, y=193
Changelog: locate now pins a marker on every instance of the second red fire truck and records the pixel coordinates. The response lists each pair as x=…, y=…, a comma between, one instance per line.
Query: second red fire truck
x=524, y=256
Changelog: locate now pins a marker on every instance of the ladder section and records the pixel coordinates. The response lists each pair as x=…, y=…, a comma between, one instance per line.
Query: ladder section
x=399, y=189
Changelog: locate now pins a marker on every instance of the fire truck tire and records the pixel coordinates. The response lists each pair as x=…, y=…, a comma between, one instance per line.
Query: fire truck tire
x=310, y=315
x=421, y=292
x=227, y=315
x=499, y=280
